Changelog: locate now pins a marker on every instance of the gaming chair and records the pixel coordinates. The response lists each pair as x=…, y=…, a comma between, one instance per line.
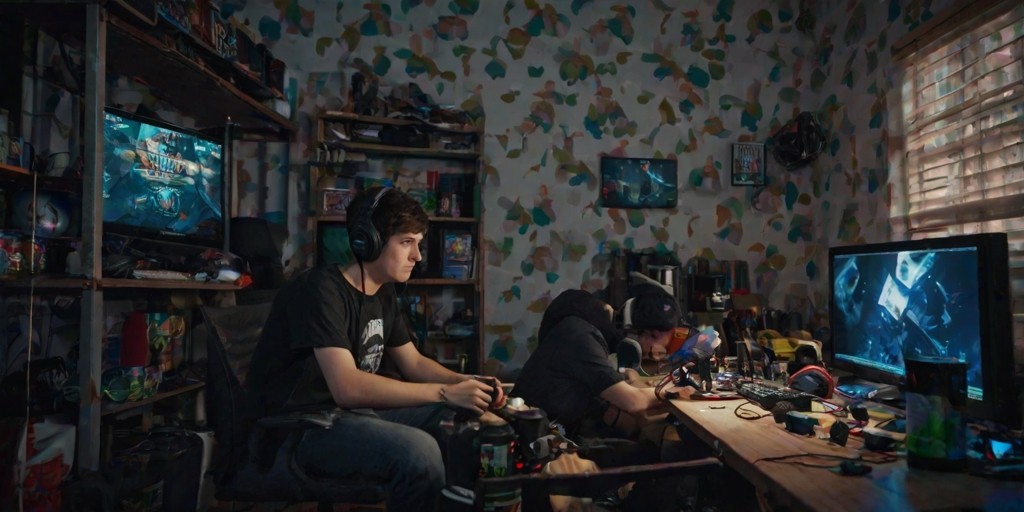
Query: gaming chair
x=259, y=242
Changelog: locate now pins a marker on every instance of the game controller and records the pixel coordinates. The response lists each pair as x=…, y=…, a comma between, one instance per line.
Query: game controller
x=497, y=400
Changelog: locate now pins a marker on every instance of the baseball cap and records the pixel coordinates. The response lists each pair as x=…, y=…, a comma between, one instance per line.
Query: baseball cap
x=654, y=310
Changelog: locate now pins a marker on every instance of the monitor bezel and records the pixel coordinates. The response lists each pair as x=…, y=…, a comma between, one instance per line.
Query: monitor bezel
x=217, y=241
x=994, y=302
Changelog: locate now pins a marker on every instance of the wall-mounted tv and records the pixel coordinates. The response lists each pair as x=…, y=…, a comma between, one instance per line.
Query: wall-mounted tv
x=639, y=182
x=161, y=181
x=937, y=297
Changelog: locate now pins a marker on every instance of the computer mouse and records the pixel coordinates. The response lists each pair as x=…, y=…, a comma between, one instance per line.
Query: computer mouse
x=851, y=468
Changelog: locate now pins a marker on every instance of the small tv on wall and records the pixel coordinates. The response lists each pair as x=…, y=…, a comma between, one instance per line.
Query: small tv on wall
x=639, y=182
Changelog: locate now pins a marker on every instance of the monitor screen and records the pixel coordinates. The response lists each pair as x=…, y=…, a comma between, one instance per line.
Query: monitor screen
x=639, y=182
x=935, y=297
x=161, y=181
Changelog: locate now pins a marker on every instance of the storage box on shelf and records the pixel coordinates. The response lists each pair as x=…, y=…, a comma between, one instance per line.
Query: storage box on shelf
x=438, y=165
x=188, y=74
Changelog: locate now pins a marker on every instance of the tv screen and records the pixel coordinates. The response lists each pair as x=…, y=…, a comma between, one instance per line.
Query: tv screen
x=639, y=182
x=161, y=181
x=945, y=297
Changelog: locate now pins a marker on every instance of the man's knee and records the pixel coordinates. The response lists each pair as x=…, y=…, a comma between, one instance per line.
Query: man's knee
x=422, y=458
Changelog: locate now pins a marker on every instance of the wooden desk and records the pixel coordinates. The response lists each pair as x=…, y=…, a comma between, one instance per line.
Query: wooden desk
x=890, y=486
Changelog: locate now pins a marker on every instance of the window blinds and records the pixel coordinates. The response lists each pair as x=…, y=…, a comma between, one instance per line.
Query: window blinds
x=963, y=120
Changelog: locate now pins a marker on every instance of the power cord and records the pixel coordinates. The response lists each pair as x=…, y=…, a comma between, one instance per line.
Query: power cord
x=786, y=459
x=748, y=414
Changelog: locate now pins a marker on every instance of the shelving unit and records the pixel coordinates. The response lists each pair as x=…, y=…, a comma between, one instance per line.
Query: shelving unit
x=350, y=151
x=116, y=41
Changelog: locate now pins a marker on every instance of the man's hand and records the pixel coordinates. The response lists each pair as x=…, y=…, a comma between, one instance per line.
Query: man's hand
x=469, y=394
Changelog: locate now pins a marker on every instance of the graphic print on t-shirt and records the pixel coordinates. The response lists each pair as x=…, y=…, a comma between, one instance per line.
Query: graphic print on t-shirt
x=372, y=346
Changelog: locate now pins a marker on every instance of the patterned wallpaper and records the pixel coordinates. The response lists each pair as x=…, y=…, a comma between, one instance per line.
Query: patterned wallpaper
x=559, y=84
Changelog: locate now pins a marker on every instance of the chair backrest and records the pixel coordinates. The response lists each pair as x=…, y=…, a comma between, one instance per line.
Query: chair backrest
x=232, y=337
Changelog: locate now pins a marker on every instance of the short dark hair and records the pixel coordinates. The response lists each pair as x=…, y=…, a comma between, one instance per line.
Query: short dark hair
x=396, y=212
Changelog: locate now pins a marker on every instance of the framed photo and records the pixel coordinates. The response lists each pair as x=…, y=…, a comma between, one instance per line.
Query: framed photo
x=639, y=182
x=457, y=255
x=748, y=161
x=334, y=201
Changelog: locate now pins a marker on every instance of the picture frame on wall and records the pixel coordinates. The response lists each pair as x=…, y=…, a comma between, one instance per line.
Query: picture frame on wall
x=748, y=164
x=335, y=201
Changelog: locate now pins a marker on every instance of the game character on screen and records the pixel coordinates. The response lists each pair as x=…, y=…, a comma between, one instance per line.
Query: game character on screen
x=323, y=346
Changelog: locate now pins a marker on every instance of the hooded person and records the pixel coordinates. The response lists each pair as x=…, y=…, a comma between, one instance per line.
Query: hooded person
x=571, y=376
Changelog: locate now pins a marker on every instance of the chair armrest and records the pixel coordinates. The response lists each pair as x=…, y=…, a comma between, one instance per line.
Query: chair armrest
x=299, y=420
x=538, y=486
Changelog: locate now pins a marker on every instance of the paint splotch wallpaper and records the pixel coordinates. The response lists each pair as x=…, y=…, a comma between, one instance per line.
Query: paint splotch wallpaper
x=556, y=85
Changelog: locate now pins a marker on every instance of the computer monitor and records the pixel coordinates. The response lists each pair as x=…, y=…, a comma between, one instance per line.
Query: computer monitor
x=945, y=297
x=162, y=182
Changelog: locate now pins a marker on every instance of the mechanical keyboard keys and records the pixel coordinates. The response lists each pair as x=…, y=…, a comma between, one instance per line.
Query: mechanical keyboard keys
x=767, y=396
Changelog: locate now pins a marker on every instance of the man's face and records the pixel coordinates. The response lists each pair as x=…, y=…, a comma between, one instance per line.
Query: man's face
x=655, y=344
x=399, y=256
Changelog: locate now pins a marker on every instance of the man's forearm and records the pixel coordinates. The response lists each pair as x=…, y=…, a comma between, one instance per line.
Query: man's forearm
x=428, y=370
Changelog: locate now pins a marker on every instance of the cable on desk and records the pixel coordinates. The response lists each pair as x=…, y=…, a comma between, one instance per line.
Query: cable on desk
x=784, y=459
x=748, y=414
x=661, y=385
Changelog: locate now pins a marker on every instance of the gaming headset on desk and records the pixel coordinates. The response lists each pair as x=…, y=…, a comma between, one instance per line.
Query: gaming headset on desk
x=363, y=237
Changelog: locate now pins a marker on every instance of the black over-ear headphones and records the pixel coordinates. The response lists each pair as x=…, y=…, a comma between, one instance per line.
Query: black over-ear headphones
x=363, y=237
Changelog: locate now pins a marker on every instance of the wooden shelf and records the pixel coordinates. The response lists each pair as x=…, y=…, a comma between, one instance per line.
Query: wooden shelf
x=383, y=149
x=335, y=116
x=49, y=282
x=109, y=408
x=342, y=218
x=187, y=83
x=14, y=170
x=21, y=175
x=165, y=284
x=464, y=220
x=211, y=89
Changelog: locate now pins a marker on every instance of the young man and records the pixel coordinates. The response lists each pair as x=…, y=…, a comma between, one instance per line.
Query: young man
x=322, y=347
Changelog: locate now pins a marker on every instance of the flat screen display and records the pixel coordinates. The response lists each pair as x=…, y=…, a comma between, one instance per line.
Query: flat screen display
x=639, y=182
x=932, y=297
x=161, y=181
x=892, y=305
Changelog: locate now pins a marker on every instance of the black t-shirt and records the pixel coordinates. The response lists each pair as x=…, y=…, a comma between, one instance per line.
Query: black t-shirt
x=567, y=372
x=318, y=308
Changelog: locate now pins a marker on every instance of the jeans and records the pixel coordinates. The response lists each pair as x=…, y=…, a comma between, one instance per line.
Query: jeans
x=396, y=446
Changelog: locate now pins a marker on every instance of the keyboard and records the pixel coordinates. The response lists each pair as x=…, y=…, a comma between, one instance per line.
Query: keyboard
x=170, y=275
x=766, y=396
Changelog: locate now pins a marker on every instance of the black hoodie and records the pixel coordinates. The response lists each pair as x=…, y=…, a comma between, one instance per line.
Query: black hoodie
x=570, y=367
x=585, y=306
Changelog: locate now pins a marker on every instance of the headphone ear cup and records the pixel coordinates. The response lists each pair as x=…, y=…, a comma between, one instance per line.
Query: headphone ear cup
x=364, y=240
x=813, y=379
x=363, y=237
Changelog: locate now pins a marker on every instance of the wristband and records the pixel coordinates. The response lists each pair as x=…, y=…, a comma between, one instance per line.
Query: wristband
x=441, y=391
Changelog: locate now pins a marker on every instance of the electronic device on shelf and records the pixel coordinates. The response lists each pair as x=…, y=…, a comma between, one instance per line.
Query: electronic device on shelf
x=946, y=297
x=162, y=182
x=639, y=182
x=767, y=396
